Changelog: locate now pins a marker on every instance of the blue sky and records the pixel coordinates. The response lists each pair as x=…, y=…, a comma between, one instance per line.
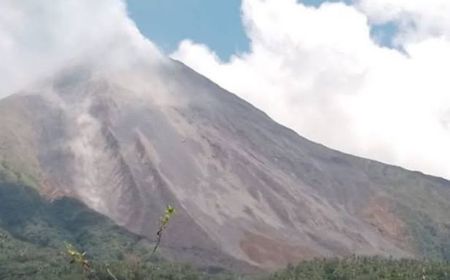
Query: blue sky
x=216, y=23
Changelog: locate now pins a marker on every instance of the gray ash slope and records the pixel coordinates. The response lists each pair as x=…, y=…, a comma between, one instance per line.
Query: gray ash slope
x=247, y=189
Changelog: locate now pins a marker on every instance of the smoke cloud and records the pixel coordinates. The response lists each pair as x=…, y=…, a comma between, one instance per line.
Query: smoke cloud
x=38, y=38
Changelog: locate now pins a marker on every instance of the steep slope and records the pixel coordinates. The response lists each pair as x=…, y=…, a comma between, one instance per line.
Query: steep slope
x=128, y=142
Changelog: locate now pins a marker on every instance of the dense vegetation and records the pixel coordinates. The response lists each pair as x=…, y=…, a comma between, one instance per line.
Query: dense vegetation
x=47, y=266
x=365, y=268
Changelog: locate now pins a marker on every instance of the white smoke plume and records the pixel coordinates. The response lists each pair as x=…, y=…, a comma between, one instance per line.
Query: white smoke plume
x=37, y=38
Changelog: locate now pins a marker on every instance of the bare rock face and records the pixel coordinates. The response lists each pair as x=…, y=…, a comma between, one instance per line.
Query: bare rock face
x=247, y=189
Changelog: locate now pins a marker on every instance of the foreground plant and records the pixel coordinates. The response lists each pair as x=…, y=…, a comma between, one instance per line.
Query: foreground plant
x=164, y=221
x=78, y=258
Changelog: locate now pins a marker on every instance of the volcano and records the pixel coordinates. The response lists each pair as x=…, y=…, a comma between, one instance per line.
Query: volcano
x=128, y=141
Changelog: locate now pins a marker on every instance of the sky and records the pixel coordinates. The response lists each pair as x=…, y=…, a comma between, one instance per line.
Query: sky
x=367, y=77
x=214, y=23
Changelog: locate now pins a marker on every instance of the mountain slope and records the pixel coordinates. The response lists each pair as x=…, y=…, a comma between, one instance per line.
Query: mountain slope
x=128, y=141
x=33, y=233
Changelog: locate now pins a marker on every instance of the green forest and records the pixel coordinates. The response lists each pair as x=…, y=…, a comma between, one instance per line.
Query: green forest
x=365, y=268
x=48, y=267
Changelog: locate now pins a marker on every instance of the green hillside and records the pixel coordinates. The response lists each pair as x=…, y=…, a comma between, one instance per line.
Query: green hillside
x=365, y=268
x=34, y=233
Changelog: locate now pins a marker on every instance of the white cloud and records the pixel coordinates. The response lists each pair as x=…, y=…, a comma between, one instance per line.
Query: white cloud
x=39, y=37
x=417, y=19
x=318, y=71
